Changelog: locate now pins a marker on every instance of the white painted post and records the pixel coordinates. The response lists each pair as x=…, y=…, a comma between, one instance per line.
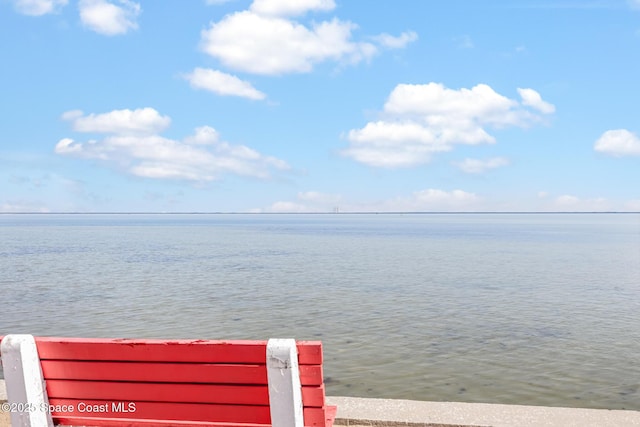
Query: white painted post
x=26, y=392
x=285, y=393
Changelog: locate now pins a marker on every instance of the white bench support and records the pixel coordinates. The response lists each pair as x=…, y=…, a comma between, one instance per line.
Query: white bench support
x=26, y=392
x=285, y=393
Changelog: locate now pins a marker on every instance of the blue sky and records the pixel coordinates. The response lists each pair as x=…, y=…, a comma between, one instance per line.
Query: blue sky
x=313, y=105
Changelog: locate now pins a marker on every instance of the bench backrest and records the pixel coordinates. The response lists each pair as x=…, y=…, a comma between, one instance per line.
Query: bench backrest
x=170, y=382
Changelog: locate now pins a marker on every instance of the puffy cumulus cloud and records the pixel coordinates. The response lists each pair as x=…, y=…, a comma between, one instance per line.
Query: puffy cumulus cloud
x=266, y=40
x=419, y=120
x=259, y=44
x=109, y=17
x=389, y=144
x=481, y=166
x=619, y=142
x=222, y=84
x=438, y=104
x=290, y=8
x=142, y=121
x=200, y=157
x=38, y=7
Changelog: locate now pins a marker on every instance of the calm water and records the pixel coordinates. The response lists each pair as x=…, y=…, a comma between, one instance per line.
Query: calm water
x=507, y=308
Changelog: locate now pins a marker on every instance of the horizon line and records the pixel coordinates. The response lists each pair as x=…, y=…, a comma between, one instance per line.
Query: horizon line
x=310, y=213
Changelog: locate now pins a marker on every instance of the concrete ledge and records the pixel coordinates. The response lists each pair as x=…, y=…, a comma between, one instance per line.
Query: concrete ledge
x=354, y=411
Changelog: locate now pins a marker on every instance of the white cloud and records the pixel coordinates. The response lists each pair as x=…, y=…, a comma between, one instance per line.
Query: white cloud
x=108, y=17
x=143, y=121
x=434, y=199
x=38, y=7
x=481, y=166
x=619, y=142
x=635, y=4
x=575, y=204
x=67, y=146
x=419, y=120
x=567, y=200
x=290, y=8
x=389, y=144
x=532, y=99
x=265, y=39
x=288, y=207
x=22, y=207
x=222, y=84
x=399, y=42
x=203, y=135
x=259, y=44
x=633, y=205
x=439, y=200
x=308, y=201
x=134, y=146
x=429, y=200
x=436, y=102
x=72, y=114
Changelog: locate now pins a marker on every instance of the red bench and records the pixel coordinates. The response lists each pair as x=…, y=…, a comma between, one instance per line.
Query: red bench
x=126, y=382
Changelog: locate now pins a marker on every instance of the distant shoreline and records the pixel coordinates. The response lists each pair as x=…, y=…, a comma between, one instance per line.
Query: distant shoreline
x=336, y=213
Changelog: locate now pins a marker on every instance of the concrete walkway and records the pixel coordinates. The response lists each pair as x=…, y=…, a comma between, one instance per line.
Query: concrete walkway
x=355, y=411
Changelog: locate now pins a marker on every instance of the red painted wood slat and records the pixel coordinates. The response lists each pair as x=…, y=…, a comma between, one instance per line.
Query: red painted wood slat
x=155, y=372
x=129, y=422
x=162, y=411
x=169, y=372
x=191, y=412
x=211, y=351
x=312, y=396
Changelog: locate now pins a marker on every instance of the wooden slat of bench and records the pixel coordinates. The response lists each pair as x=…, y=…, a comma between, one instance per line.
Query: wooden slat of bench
x=162, y=411
x=210, y=351
x=130, y=422
x=190, y=412
x=312, y=396
x=169, y=372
